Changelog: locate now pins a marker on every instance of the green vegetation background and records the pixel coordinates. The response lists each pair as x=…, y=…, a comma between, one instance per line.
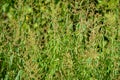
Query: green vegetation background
x=59, y=40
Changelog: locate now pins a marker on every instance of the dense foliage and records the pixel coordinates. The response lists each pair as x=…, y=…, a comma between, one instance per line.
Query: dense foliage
x=59, y=39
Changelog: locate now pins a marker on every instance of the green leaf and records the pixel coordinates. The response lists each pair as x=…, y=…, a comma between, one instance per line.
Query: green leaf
x=11, y=61
x=19, y=75
x=26, y=26
x=4, y=7
x=27, y=9
x=6, y=77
